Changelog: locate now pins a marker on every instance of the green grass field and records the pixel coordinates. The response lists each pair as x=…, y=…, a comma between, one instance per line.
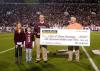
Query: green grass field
x=55, y=62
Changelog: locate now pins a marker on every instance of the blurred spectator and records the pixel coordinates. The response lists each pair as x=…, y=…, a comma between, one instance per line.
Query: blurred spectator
x=56, y=14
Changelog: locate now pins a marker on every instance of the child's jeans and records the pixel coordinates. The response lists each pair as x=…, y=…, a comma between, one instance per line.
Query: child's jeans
x=28, y=54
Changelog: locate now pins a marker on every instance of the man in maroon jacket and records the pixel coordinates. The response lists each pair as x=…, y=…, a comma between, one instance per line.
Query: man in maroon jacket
x=37, y=27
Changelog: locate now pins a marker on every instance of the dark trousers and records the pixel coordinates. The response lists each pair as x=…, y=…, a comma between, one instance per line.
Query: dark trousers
x=18, y=51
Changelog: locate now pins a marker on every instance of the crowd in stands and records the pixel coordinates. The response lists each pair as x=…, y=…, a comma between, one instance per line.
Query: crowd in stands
x=57, y=14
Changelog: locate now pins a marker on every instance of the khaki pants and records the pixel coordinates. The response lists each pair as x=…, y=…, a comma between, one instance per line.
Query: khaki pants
x=38, y=51
x=70, y=53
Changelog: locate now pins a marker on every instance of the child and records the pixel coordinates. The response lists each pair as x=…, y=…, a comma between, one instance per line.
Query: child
x=29, y=43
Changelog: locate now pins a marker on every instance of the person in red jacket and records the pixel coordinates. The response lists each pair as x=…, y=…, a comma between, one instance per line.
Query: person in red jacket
x=40, y=24
x=29, y=43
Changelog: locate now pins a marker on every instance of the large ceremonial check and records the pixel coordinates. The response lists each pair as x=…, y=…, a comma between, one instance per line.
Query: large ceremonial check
x=65, y=37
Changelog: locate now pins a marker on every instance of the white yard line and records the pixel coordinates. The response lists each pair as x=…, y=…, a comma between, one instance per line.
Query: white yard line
x=6, y=50
x=91, y=60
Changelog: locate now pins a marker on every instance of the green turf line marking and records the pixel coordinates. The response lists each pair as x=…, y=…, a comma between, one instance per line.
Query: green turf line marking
x=91, y=60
